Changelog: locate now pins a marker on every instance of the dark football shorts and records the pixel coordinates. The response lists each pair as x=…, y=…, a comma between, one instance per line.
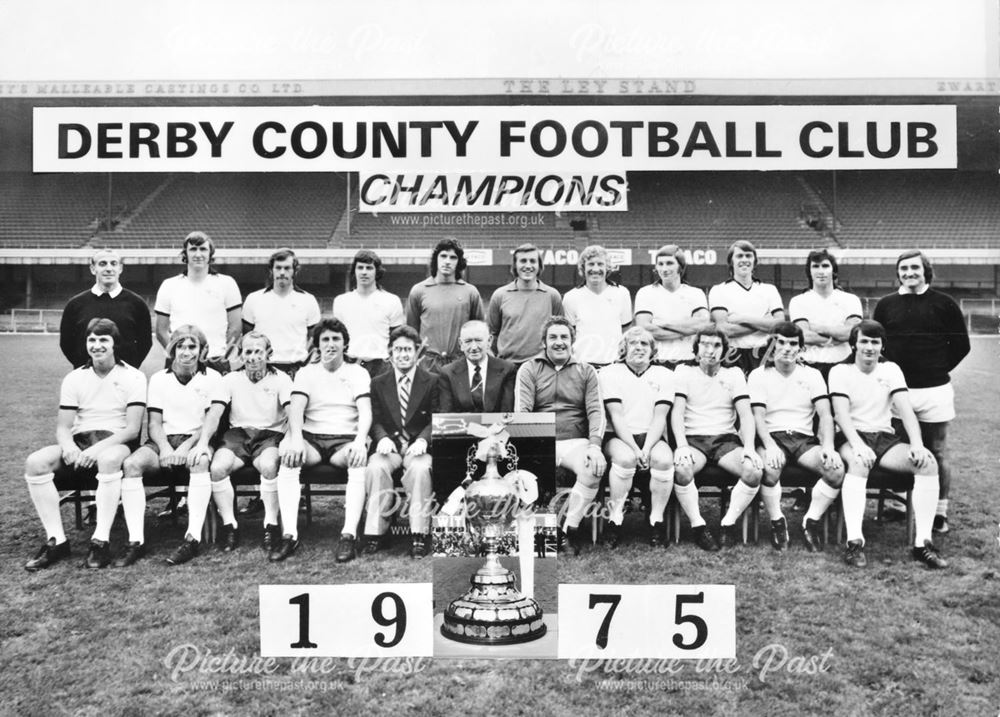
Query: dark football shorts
x=174, y=439
x=85, y=439
x=715, y=447
x=248, y=443
x=793, y=443
x=325, y=444
x=878, y=441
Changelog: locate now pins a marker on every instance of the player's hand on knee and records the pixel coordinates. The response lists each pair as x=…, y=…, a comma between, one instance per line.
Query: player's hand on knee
x=683, y=456
x=385, y=446
x=642, y=458
x=87, y=458
x=198, y=453
x=865, y=455
x=831, y=459
x=774, y=458
x=292, y=453
x=921, y=457
x=749, y=454
x=356, y=454
x=70, y=455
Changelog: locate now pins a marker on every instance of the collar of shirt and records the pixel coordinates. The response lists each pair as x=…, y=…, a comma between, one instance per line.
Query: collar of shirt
x=539, y=286
x=903, y=291
x=431, y=281
x=400, y=374
x=96, y=291
x=472, y=368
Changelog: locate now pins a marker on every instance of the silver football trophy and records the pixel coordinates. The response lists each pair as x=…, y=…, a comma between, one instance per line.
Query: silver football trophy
x=494, y=611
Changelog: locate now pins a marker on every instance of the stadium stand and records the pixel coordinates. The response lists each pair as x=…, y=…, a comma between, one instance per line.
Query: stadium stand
x=931, y=209
x=237, y=210
x=65, y=210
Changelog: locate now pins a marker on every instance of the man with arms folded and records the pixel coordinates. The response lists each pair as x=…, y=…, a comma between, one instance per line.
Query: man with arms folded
x=638, y=395
x=517, y=309
x=257, y=396
x=864, y=392
x=329, y=417
x=786, y=397
x=369, y=312
x=927, y=338
x=554, y=381
x=673, y=311
x=106, y=299
x=100, y=415
x=477, y=383
x=200, y=297
x=179, y=397
x=825, y=313
x=708, y=398
x=745, y=309
x=598, y=311
x=283, y=312
x=403, y=400
x=437, y=307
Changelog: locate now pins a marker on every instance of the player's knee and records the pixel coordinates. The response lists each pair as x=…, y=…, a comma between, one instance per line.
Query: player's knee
x=752, y=476
x=36, y=464
x=110, y=461
x=588, y=479
x=201, y=466
x=683, y=475
x=770, y=477
x=268, y=469
x=218, y=472
x=833, y=477
x=132, y=468
x=623, y=460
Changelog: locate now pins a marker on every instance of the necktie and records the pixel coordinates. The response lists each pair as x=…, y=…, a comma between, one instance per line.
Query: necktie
x=404, y=394
x=477, y=389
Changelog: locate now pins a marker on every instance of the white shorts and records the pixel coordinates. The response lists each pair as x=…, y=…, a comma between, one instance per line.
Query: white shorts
x=933, y=405
x=566, y=447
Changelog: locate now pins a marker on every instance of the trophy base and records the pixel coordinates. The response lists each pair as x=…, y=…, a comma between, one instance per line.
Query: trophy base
x=493, y=612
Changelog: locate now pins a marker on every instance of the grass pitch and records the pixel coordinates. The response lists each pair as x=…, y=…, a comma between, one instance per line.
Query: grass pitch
x=898, y=639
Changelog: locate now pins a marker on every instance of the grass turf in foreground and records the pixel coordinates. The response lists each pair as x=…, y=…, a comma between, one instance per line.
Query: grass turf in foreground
x=904, y=640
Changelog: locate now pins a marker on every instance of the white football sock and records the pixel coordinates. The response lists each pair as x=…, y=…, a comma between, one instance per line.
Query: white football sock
x=619, y=485
x=269, y=496
x=771, y=497
x=687, y=496
x=579, y=498
x=942, y=507
x=354, y=500
x=661, y=484
x=289, y=493
x=823, y=494
x=46, y=499
x=853, y=495
x=109, y=492
x=134, y=508
x=199, y=496
x=739, y=499
x=223, y=495
x=926, y=489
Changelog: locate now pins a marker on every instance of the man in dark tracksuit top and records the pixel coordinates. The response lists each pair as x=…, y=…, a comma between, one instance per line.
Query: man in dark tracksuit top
x=926, y=336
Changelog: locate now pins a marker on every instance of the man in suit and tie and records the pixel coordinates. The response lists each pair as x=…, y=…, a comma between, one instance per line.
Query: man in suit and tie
x=478, y=383
x=403, y=400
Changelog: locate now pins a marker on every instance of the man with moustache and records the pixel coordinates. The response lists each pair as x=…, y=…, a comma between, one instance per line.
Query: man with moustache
x=745, y=309
x=329, y=418
x=283, y=312
x=864, y=394
x=369, y=312
x=926, y=336
x=598, y=311
x=670, y=309
x=825, y=313
x=106, y=299
x=477, y=383
x=438, y=306
x=201, y=297
x=403, y=401
x=517, y=309
x=554, y=381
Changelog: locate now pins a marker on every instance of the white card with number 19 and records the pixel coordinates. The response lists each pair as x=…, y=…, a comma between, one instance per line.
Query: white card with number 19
x=647, y=621
x=363, y=620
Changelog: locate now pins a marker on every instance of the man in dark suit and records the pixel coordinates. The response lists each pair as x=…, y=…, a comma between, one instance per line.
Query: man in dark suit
x=478, y=383
x=403, y=400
